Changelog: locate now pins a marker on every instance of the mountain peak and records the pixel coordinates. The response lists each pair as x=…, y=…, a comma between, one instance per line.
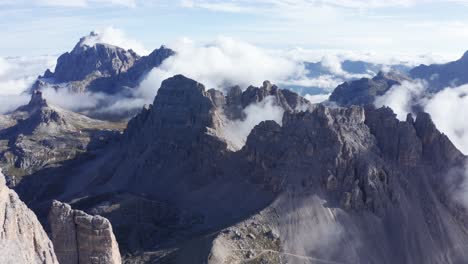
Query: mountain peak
x=90, y=41
x=465, y=56
x=96, y=60
x=37, y=99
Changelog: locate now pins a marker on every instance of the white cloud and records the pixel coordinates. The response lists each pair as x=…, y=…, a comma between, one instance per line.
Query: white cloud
x=401, y=98
x=385, y=58
x=325, y=82
x=216, y=6
x=236, y=132
x=11, y=102
x=333, y=64
x=262, y=5
x=85, y=3
x=73, y=101
x=222, y=63
x=317, y=98
x=116, y=37
x=64, y=3
x=449, y=111
x=17, y=74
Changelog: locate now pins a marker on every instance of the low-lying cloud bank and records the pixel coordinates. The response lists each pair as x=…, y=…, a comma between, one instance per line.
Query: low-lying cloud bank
x=219, y=64
x=17, y=74
x=223, y=63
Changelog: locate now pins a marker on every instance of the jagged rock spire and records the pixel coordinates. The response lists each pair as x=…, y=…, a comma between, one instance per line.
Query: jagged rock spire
x=37, y=99
x=80, y=238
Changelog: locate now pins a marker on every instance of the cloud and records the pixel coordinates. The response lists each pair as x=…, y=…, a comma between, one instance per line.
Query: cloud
x=317, y=98
x=264, y=5
x=73, y=101
x=326, y=82
x=449, y=111
x=401, y=98
x=64, y=3
x=85, y=3
x=237, y=131
x=222, y=63
x=11, y=102
x=17, y=74
x=216, y=6
x=116, y=37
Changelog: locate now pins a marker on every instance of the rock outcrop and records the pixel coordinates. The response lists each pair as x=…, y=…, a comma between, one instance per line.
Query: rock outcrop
x=440, y=76
x=41, y=135
x=22, y=238
x=80, y=238
x=365, y=90
x=288, y=100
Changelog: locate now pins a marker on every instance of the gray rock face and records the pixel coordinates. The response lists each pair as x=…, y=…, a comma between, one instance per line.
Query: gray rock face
x=347, y=169
x=440, y=76
x=99, y=60
x=40, y=135
x=187, y=122
x=346, y=193
x=80, y=238
x=364, y=91
x=101, y=68
x=341, y=185
x=134, y=75
x=22, y=238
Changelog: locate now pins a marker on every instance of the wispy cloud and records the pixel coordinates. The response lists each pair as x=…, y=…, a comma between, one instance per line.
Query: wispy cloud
x=117, y=37
x=68, y=3
x=263, y=5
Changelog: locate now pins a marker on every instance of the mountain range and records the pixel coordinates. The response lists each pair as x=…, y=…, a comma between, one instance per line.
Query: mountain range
x=255, y=175
x=440, y=76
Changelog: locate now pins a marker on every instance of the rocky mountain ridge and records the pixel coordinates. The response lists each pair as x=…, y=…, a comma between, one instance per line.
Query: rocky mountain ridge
x=440, y=76
x=328, y=184
x=40, y=135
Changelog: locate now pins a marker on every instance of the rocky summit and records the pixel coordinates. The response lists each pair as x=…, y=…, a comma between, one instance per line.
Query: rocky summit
x=102, y=67
x=322, y=184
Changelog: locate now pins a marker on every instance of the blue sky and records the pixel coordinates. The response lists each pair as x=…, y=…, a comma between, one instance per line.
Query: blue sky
x=36, y=27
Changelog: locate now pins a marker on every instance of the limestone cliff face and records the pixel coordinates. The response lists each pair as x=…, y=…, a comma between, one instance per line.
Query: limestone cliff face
x=96, y=58
x=353, y=186
x=339, y=185
x=80, y=238
x=22, y=238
